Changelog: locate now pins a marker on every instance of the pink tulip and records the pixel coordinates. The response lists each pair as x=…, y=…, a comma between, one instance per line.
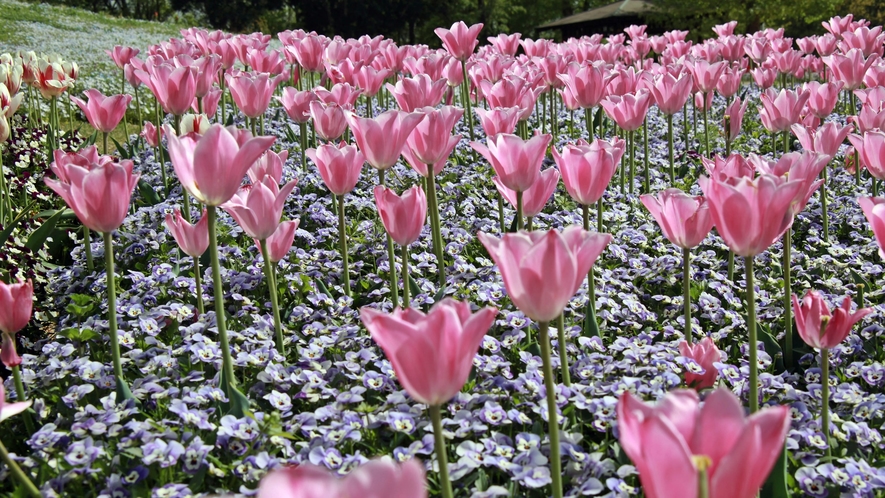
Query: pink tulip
x=507, y=92
x=730, y=81
x=297, y=104
x=339, y=166
x=382, y=139
x=10, y=409
x=370, y=79
x=8, y=355
x=258, y=209
x=735, y=114
x=417, y=92
x=151, y=134
x=193, y=123
x=269, y=164
x=103, y=113
x=703, y=101
x=671, y=93
x=629, y=110
x=210, y=102
x=16, y=302
x=432, y=141
x=375, y=479
x=206, y=75
x=122, y=55
x=587, y=83
x=252, y=93
x=782, y=110
x=668, y=441
x=329, y=120
x=685, y=219
x=543, y=270
x=868, y=119
x=212, y=167
x=764, y=76
x=98, y=195
x=175, y=88
x=735, y=166
x=280, y=242
x=498, y=120
x=871, y=148
x=403, y=216
x=874, y=209
x=804, y=167
x=750, y=215
x=850, y=68
x=87, y=157
x=264, y=61
x=440, y=348
x=705, y=74
x=587, y=169
x=192, y=239
x=309, y=52
x=535, y=198
x=506, y=44
x=818, y=327
x=517, y=162
x=825, y=140
x=342, y=94
x=704, y=353
x=459, y=40
x=822, y=98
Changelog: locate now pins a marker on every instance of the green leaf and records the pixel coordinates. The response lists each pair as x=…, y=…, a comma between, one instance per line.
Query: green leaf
x=239, y=403
x=90, y=140
x=80, y=335
x=591, y=328
x=776, y=484
x=123, y=392
x=321, y=287
x=122, y=151
x=512, y=228
x=36, y=240
x=858, y=279
x=440, y=294
x=413, y=286
x=148, y=195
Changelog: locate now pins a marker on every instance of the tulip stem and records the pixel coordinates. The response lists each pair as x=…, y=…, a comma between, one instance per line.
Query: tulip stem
x=303, y=137
x=563, y=350
x=825, y=396
x=518, y=211
x=703, y=482
x=670, y=148
x=588, y=119
x=685, y=125
x=394, y=287
x=730, y=265
x=439, y=445
x=104, y=142
x=138, y=113
x=112, y=313
x=501, y=214
x=5, y=204
x=466, y=86
x=227, y=365
x=87, y=238
x=599, y=210
x=20, y=395
x=198, y=283
x=123, y=92
x=632, y=159
x=160, y=160
x=272, y=287
x=645, y=180
x=686, y=291
x=529, y=220
x=407, y=298
x=751, y=326
x=553, y=425
x=18, y=473
x=438, y=245
x=786, y=142
x=788, y=305
x=707, y=151
x=342, y=244
x=223, y=99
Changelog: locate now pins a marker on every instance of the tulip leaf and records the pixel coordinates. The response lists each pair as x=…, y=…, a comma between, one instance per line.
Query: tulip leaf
x=123, y=392
x=772, y=346
x=148, y=195
x=591, y=327
x=776, y=484
x=121, y=150
x=321, y=287
x=36, y=240
x=413, y=286
x=239, y=403
x=512, y=228
x=440, y=294
x=858, y=279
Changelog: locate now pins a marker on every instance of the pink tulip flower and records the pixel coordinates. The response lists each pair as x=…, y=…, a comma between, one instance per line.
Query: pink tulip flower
x=376, y=479
x=440, y=348
x=10, y=409
x=587, y=169
x=174, y=87
x=629, y=110
x=258, y=209
x=212, y=167
x=432, y=141
x=370, y=79
x=750, y=215
x=498, y=120
x=506, y=44
x=850, y=68
x=280, y=242
x=8, y=355
x=329, y=120
x=685, y=219
x=309, y=52
x=252, y=93
x=417, y=92
x=87, y=157
x=704, y=353
x=874, y=209
x=297, y=104
x=339, y=166
x=517, y=162
x=269, y=164
x=705, y=74
x=804, y=167
x=535, y=198
x=868, y=119
x=382, y=139
x=822, y=98
x=122, y=55
x=459, y=40
x=98, y=195
x=587, y=83
x=192, y=239
x=543, y=270
x=403, y=216
x=782, y=110
x=16, y=302
x=735, y=113
x=818, y=327
x=668, y=441
x=671, y=93
x=207, y=74
x=764, y=76
x=103, y=113
x=342, y=94
x=735, y=166
x=871, y=148
x=825, y=140
x=151, y=134
x=730, y=81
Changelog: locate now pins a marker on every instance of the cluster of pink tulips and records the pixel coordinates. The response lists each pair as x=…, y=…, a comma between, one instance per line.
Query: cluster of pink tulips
x=332, y=89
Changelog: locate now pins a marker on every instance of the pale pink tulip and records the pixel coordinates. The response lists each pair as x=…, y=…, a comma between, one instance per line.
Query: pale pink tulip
x=376, y=479
x=103, y=113
x=339, y=166
x=824, y=333
x=685, y=219
x=535, y=198
x=329, y=120
x=782, y=110
x=874, y=209
x=517, y=162
x=417, y=91
x=671, y=93
x=258, y=209
x=10, y=409
x=704, y=353
x=459, y=40
x=252, y=92
x=587, y=169
x=629, y=110
x=822, y=98
x=269, y=164
x=297, y=104
x=432, y=141
x=403, y=216
x=498, y=120
x=192, y=239
x=382, y=139
x=871, y=148
x=16, y=303
x=280, y=242
x=825, y=140
x=98, y=195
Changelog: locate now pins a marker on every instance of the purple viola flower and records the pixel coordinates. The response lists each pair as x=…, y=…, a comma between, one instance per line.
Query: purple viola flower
x=83, y=453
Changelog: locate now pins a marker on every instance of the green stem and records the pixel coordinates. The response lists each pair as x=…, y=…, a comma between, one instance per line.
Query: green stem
x=632, y=159
x=588, y=119
x=87, y=238
x=730, y=265
x=407, y=298
x=18, y=473
x=825, y=397
x=599, y=209
x=112, y=303
x=198, y=283
x=686, y=291
x=518, y=210
x=138, y=113
x=563, y=350
x=501, y=214
x=703, y=483
x=272, y=288
x=221, y=83
x=685, y=135
x=227, y=364
x=469, y=108
x=104, y=142
x=786, y=142
x=123, y=91
x=645, y=180
x=394, y=284
x=788, y=304
x=5, y=205
x=670, y=148
x=552, y=423
x=20, y=395
x=303, y=137
x=751, y=326
x=438, y=244
x=342, y=244
x=439, y=445
x=707, y=150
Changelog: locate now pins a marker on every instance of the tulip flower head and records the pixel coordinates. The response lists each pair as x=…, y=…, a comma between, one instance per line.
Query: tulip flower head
x=280, y=242
x=192, y=239
x=10, y=409
x=381, y=478
x=820, y=328
x=685, y=219
x=339, y=166
x=517, y=162
x=16, y=302
x=705, y=354
x=259, y=207
x=403, y=216
x=103, y=113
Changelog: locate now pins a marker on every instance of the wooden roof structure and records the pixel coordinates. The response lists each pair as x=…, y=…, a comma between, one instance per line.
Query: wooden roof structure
x=607, y=19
